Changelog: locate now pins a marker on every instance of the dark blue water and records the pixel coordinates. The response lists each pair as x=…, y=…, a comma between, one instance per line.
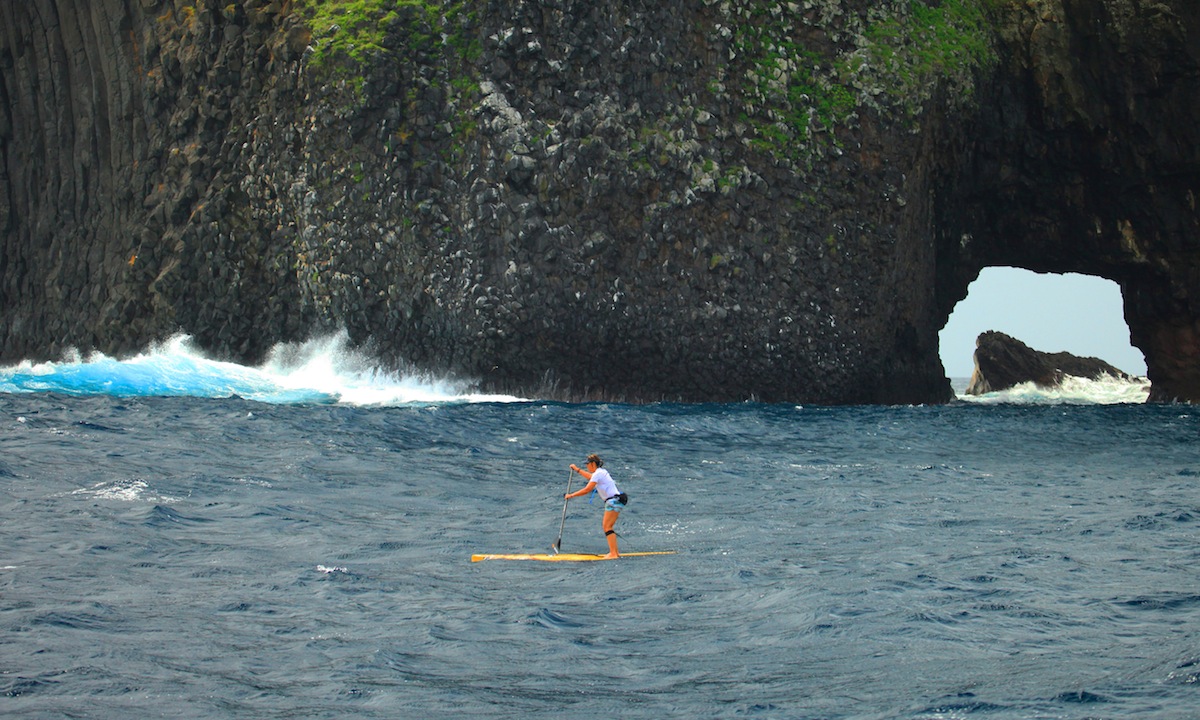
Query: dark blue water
x=304, y=552
x=207, y=558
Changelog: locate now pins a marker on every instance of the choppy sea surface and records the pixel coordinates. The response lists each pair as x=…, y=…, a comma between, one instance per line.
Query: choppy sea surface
x=181, y=538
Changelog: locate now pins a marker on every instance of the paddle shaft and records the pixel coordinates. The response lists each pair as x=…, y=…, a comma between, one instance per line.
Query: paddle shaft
x=558, y=543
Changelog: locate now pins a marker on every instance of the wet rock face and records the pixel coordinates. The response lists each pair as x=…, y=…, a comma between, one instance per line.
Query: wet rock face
x=1002, y=362
x=126, y=137
x=720, y=201
x=1085, y=161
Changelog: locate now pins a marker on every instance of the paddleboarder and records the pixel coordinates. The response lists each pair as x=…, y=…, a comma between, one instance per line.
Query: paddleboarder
x=614, y=500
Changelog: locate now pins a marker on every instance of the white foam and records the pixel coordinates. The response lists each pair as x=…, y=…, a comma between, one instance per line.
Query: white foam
x=322, y=370
x=127, y=491
x=329, y=365
x=1072, y=391
x=130, y=490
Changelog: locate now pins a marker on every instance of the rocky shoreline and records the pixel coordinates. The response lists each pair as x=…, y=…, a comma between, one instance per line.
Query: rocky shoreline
x=712, y=202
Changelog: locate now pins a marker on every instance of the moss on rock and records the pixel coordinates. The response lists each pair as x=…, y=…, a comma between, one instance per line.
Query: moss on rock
x=801, y=70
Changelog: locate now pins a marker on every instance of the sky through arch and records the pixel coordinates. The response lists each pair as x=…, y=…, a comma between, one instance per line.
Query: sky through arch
x=1079, y=314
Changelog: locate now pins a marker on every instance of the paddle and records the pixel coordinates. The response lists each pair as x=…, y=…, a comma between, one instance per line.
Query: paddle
x=558, y=543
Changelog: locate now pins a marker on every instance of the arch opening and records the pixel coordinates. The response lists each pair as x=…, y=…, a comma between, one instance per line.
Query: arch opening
x=1079, y=314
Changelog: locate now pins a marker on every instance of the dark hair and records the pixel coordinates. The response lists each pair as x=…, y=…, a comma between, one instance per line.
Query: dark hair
x=596, y=459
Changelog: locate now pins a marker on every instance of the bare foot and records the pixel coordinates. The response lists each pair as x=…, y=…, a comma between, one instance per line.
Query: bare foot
x=610, y=556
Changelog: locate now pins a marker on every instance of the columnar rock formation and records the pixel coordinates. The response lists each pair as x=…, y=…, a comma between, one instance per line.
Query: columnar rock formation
x=1085, y=160
x=632, y=200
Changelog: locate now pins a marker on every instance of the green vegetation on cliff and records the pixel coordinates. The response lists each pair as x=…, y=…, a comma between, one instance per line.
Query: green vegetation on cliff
x=797, y=71
x=801, y=70
x=912, y=52
x=350, y=34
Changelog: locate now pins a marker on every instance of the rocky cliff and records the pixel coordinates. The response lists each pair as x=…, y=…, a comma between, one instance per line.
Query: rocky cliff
x=713, y=200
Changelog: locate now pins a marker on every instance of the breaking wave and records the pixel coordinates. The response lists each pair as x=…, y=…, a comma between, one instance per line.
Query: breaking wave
x=328, y=371
x=321, y=371
x=1072, y=391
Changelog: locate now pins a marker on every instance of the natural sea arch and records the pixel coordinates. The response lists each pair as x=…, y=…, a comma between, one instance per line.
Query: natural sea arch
x=1079, y=314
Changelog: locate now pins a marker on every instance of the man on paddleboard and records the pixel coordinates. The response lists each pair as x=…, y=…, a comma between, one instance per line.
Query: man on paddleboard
x=614, y=500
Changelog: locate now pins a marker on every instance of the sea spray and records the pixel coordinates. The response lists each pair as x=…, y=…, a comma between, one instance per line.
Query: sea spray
x=328, y=370
x=1072, y=391
x=321, y=370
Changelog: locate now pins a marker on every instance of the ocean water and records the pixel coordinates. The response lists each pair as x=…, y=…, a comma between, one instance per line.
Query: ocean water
x=181, y=538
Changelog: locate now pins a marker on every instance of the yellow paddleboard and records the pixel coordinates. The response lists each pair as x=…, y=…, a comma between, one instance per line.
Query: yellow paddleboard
x=561, y=557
